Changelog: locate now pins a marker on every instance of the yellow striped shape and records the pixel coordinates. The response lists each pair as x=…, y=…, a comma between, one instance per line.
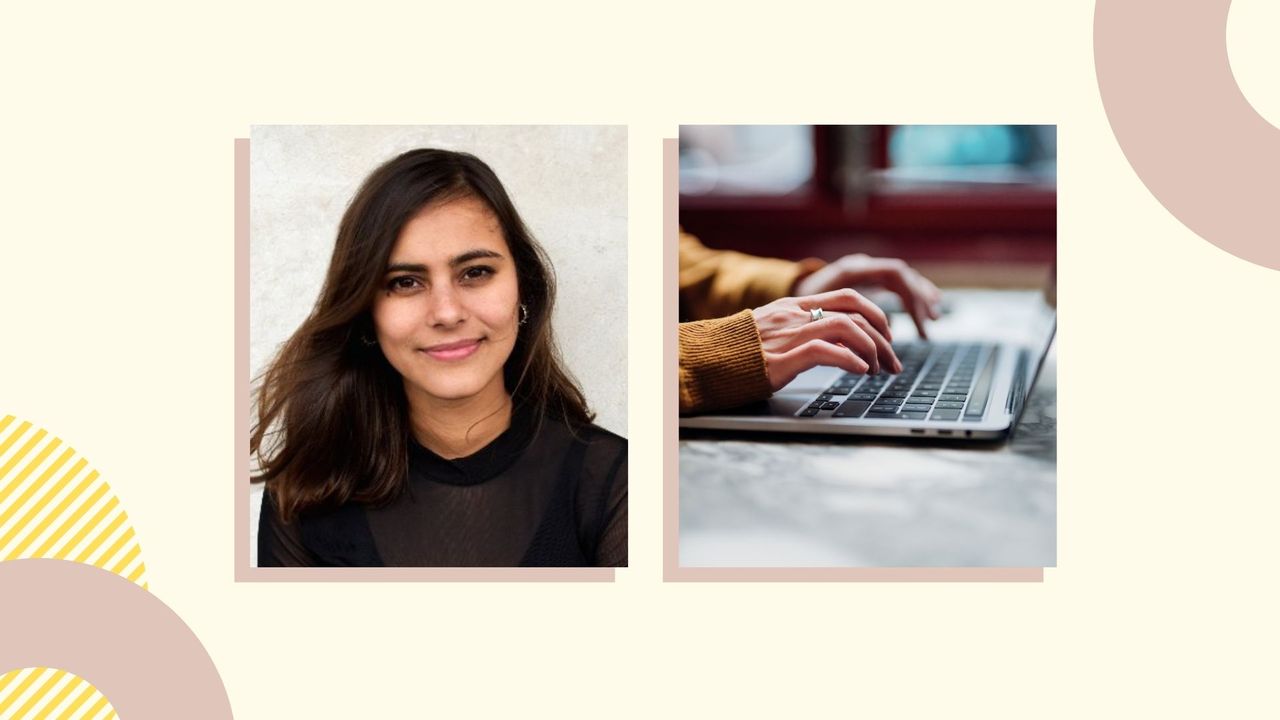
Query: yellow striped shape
x=53, y=505
x=50, y=694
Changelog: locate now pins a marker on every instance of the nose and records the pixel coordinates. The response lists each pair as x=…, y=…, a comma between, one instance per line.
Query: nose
x=446, y=308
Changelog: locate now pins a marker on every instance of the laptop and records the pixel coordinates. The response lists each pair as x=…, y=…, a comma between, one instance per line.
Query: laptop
x=957, y=388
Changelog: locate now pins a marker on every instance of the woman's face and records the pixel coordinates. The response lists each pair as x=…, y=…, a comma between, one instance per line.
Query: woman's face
x=447, y=313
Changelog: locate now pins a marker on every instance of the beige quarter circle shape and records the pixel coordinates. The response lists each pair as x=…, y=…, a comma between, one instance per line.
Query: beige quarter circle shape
x=1185, y=126
x=115, y=635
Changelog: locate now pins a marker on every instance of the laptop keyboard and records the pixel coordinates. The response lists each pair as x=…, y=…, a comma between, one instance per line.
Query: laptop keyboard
x=939, y=381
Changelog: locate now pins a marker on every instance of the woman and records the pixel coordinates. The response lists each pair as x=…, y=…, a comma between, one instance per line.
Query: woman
x=421, y=415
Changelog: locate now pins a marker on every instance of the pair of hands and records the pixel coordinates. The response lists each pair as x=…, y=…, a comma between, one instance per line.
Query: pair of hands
x=853, y=333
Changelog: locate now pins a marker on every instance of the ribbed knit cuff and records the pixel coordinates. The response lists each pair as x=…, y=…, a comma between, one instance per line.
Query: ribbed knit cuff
x=721, y=364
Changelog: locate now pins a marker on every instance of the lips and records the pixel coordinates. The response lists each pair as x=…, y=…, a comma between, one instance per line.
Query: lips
x=454, y=351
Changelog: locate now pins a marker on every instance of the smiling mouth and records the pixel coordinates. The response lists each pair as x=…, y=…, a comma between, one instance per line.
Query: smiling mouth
x=449, y=352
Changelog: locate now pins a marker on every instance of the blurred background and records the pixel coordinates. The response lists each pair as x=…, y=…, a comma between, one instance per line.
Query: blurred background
x=972, y=205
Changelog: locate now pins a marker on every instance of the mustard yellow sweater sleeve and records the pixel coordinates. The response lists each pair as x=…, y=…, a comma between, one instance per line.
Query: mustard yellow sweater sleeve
x=721, y=364
x=717, y=283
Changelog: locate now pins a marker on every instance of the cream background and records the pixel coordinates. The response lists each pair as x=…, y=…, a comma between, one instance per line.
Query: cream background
x=117, y=284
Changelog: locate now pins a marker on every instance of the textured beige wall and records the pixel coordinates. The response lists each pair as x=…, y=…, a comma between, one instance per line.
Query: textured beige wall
x=568, y=182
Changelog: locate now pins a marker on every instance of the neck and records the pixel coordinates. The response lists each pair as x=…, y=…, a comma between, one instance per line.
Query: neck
x=458, y=428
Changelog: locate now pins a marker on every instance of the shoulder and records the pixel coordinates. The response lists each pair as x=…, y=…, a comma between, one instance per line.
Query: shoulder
x=604, y=454
x=597, y=440
x=570, y=431
x=601, y=451
x=594, y=435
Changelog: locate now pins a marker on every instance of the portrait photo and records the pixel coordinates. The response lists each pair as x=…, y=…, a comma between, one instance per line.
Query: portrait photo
x=437, y=346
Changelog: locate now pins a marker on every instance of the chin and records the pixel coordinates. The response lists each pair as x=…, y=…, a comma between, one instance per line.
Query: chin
x=459, y=389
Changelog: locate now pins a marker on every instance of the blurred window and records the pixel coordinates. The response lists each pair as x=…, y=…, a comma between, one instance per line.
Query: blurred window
x=745, y=159
x=920, y=192
x=926, y=155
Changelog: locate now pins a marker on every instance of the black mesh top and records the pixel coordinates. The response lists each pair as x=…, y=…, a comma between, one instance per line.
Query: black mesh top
x=540, y=494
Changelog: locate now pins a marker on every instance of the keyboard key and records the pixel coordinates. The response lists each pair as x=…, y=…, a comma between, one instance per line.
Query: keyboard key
x=830, y=405
x=953, y=397
x=851, y=408
x=809, y=412
x=881, y=410
x=915, y=408
x=945, y=415
x=950, y=406
x=863, y=396
x=890, y=401
x=911, y=416
x=925, y=393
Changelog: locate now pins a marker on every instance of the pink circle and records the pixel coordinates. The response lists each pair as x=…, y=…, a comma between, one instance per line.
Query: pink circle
x=1186, y=128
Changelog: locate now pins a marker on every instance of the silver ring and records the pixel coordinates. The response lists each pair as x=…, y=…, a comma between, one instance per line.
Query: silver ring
x=815, y=314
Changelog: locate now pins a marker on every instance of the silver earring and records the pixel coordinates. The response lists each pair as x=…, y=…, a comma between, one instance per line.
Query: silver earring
x=524, y=313
x=367, y=342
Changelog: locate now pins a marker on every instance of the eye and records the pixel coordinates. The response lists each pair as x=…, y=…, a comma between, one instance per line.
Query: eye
x=403, y=283
x=476, y=273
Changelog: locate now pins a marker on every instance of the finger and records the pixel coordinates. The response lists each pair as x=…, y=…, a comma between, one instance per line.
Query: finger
x=929, y=291
x=918, y=315
x=917, y=308
x=858, y=334
x=888, y=358
x=935, y=295
x=815, y=353
x=919, y=311
x=897, y=278
x=841, y=329
x=901, y=278
x=849, y=301
x=924, y=297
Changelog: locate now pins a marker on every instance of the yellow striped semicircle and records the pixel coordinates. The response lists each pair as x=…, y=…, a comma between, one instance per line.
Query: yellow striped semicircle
x=54, y=505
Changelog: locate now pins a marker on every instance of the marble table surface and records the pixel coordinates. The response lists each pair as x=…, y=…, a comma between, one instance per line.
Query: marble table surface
x=814, y=501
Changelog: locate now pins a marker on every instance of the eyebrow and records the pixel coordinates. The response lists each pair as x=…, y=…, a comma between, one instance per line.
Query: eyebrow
x=470, y=255
x=462, y=259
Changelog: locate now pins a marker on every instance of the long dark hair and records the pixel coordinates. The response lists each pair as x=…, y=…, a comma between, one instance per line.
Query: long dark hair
x=332, y=422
